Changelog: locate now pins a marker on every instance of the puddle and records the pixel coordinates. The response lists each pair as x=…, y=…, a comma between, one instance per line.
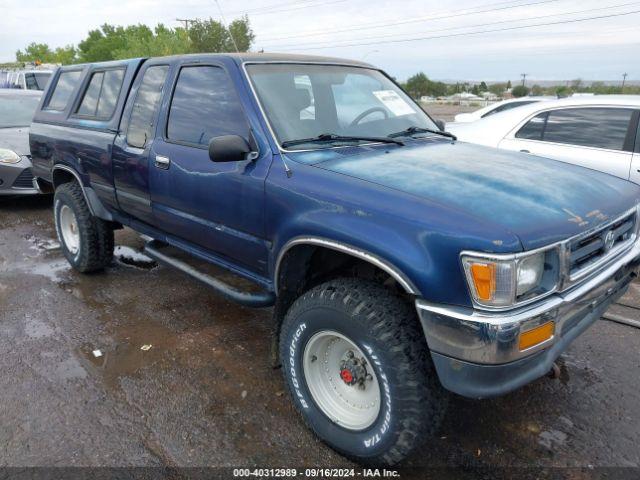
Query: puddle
x=128, y=256
x=43, y=244
x=128, y=356
x=51, y=270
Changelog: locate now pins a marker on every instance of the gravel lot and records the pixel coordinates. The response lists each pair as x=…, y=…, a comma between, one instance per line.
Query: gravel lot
x=204, y=394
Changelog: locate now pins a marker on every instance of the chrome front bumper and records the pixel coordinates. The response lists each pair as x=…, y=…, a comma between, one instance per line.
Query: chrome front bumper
x=464, y=340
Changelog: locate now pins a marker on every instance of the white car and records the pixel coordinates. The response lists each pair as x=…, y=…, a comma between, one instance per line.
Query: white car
x=497, y=108
x=25, y=80
x=599, y=132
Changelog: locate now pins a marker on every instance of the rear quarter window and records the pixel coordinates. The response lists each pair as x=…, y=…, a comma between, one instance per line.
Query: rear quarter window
x=65, y=85
x=101, y=95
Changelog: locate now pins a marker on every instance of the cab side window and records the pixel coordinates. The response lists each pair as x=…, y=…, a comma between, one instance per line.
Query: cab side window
x=205, y=105
x=145, y=106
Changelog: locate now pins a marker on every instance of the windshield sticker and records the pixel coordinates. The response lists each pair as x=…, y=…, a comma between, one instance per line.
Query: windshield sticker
x=394, y=102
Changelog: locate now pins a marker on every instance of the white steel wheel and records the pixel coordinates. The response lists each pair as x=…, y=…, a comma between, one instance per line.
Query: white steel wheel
x=341, y=380
x=69, y=229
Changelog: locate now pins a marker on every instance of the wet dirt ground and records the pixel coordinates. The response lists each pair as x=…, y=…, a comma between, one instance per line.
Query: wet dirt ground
x=184, y=379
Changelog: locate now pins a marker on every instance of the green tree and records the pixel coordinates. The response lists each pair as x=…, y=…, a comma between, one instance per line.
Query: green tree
x=498, y=88
x=212, y=36
x=483, y=87
x=35, y=52
x=520, y=91
x=537, y=90
x=41, y=52
x=101, y=44
x=508, y=84
x=65, y=55
x=418, y=85
x=113, y=42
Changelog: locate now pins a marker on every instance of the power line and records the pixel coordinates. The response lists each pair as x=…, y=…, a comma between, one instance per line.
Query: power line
x=473, y=33
x=270, y=10
x=226, y=26
x=269, y=7
x=489, y=24
x=437, y=16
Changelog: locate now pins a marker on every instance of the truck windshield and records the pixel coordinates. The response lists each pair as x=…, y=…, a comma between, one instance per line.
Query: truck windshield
x=307, y=101
x=17, y=111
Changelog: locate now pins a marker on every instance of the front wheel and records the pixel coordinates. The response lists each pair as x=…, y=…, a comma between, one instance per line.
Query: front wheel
x=358, y=369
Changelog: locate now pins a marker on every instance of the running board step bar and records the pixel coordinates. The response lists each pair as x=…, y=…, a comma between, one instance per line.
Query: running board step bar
x=248, y=299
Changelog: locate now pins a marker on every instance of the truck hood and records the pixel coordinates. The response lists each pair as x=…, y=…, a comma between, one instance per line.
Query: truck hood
x=539, y=200
x=16, y=139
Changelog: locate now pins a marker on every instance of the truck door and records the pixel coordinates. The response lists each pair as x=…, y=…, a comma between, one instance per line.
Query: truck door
x=134, y=142
x=215, y=205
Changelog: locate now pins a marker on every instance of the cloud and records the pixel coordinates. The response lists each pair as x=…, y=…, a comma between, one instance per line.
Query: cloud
x=596, y=49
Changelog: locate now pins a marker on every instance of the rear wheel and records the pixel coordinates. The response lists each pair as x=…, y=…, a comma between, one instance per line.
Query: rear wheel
x=86, y=241
x=359, y=371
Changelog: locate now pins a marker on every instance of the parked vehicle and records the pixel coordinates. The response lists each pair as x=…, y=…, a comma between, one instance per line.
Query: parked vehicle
x=498, y=107
x=599, y=132
x=397, y=259
x=16, y=111
x=25, y=80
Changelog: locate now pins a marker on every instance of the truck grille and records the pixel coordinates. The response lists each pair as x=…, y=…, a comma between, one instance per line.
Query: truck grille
x=24, y=180
x=587, y=252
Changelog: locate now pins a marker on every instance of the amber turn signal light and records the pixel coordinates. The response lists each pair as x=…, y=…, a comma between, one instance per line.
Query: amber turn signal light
x=537, y=335
x=484, y=279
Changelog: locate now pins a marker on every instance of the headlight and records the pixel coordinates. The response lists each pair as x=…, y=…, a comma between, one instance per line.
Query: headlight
x=8, y=156
x=510, y=280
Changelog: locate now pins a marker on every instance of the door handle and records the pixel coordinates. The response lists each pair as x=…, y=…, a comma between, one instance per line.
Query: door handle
x=525, y=151
x=162, y=162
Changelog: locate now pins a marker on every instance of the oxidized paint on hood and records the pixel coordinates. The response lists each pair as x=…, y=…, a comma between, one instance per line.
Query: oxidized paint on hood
x=539, y=200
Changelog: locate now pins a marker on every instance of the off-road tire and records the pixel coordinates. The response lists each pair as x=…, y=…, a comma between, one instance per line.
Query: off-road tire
x=96, y=236
x=371, y=316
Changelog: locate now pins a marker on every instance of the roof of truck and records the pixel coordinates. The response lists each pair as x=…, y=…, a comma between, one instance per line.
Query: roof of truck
x=244, y=57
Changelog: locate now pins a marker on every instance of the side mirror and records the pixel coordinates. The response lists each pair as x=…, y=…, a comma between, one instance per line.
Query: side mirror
x=440, y=124
x=229, y=148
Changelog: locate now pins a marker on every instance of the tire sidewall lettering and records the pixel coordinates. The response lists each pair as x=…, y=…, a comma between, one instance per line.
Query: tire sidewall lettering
x=368, y=442
x=294, y=347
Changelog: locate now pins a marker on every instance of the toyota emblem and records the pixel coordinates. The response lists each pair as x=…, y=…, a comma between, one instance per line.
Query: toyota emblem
x=609, y=240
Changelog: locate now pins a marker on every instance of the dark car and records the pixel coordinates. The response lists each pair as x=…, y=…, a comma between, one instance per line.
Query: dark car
x=398, y=260
x=16, y=111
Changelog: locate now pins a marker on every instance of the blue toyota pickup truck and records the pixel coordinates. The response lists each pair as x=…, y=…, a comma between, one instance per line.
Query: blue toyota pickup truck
x=400, y=263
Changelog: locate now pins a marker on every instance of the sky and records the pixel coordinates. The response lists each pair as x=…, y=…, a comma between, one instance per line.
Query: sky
x=462, y=40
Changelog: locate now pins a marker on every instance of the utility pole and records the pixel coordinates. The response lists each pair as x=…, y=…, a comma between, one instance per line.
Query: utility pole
x=624, y=79
x=186, y=22
x=524, y=78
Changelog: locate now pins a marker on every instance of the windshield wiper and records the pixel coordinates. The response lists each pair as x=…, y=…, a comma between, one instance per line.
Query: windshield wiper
x=413, y=130
x=332, y=137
